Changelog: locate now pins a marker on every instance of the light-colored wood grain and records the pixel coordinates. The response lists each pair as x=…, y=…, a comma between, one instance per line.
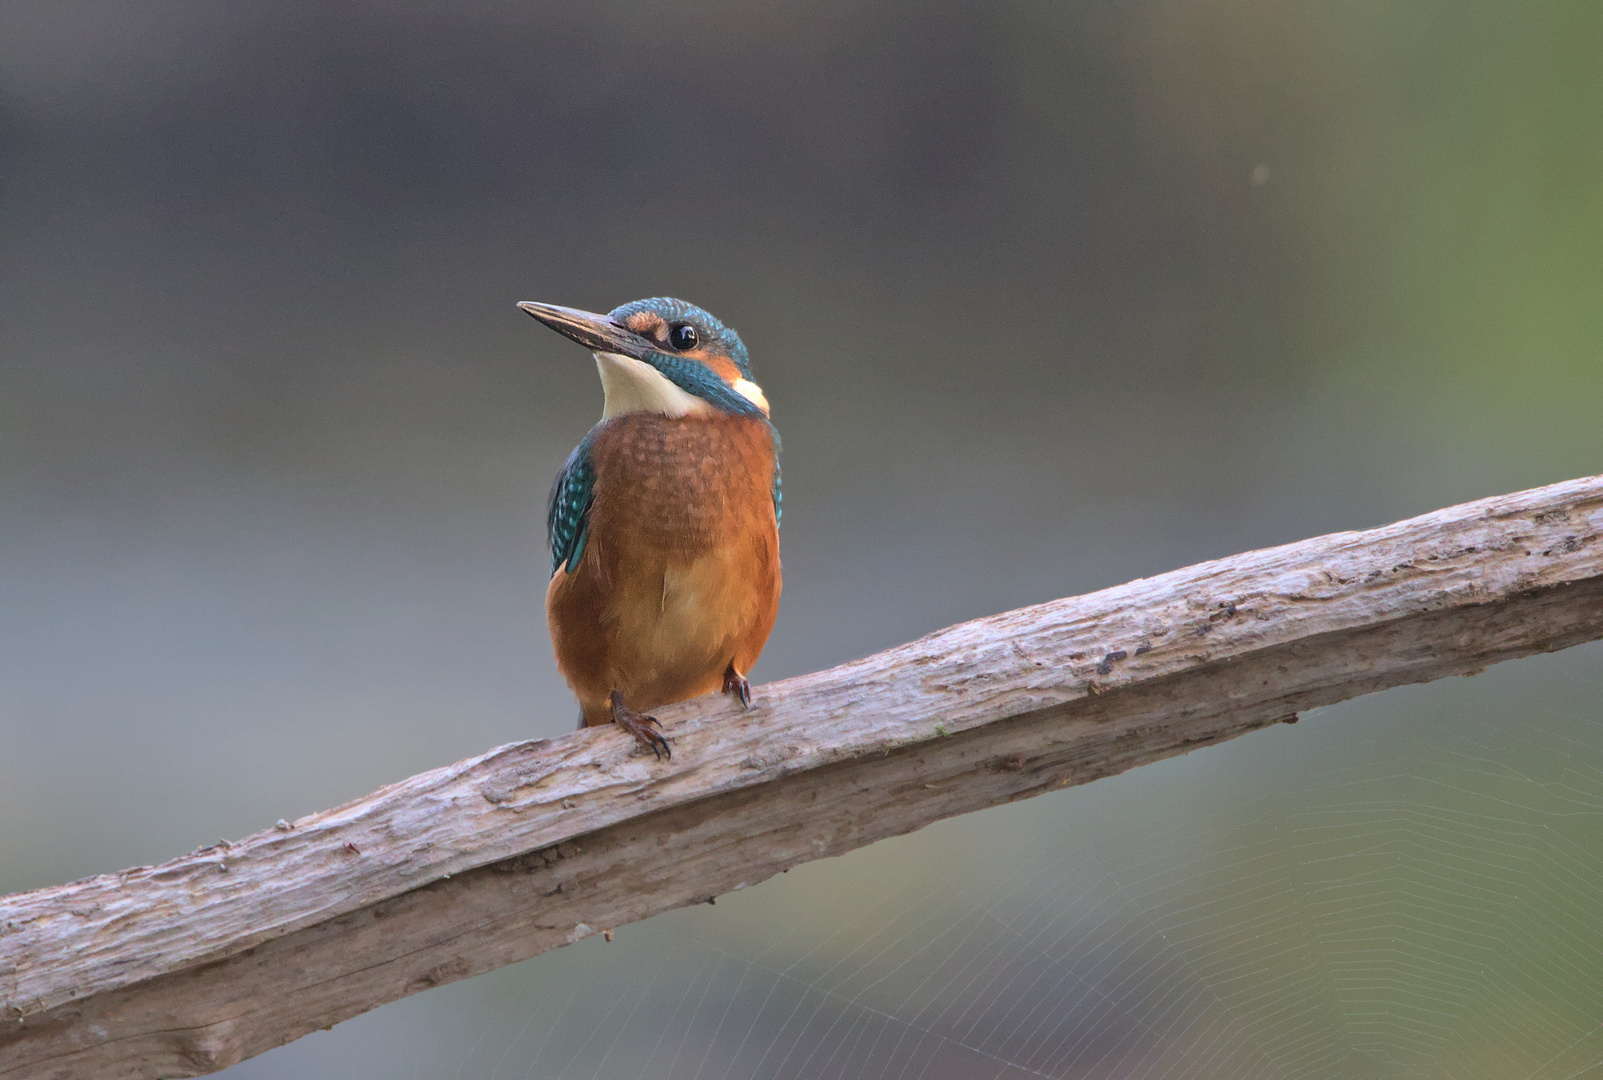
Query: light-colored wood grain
x=184, y=968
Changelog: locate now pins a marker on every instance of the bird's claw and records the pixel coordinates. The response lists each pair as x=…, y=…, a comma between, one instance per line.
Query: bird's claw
x=735, y=683
x=639, y=725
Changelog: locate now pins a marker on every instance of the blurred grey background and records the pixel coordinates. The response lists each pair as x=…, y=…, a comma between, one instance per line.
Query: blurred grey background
x=1046, y=296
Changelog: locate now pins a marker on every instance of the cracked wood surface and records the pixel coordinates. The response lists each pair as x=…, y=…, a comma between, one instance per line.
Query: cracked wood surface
x=187, y=967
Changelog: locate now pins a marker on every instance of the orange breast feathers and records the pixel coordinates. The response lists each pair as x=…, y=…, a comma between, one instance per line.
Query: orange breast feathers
x=680, y=575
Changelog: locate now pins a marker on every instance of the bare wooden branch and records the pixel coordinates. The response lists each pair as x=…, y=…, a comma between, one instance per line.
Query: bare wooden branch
x=184, y=968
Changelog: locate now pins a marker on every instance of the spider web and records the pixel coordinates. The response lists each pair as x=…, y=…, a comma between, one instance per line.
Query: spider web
x=1410, y=886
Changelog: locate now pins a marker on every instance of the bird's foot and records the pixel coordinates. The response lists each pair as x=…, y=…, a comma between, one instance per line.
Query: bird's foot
x=640, y=725
x=735, y=683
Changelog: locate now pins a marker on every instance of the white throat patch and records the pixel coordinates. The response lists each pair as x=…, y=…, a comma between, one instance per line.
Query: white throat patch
x=629, y=385
x=752, y=393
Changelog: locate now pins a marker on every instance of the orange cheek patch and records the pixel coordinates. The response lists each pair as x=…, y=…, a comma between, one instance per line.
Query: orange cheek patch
x=722, y=365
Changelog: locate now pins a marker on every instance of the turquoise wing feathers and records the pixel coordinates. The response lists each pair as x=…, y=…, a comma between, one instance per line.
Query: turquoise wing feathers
x=778, y=494
x=567, y=511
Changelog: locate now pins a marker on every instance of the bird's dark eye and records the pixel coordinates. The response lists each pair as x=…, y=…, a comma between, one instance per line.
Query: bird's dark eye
x=683, y=337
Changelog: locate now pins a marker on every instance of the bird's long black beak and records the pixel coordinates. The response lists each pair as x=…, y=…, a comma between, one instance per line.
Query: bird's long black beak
x=595, y=332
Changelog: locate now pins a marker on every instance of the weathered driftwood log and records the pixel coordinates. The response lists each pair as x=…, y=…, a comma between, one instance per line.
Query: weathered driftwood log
x=187, y=967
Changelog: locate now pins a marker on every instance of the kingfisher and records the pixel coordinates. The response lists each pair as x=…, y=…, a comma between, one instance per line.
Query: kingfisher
x=664, y=521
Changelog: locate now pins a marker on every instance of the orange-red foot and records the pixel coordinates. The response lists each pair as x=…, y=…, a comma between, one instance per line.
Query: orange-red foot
x=735, y=683
x=639, y=725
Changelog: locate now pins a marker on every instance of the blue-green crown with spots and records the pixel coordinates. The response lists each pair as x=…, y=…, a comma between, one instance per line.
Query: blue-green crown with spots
x=714, y=335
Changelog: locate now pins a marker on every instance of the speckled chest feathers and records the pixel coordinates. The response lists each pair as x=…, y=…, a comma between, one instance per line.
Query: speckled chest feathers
x=682, y=485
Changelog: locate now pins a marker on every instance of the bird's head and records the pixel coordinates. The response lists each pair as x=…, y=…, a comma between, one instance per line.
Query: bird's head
x=662, y=355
